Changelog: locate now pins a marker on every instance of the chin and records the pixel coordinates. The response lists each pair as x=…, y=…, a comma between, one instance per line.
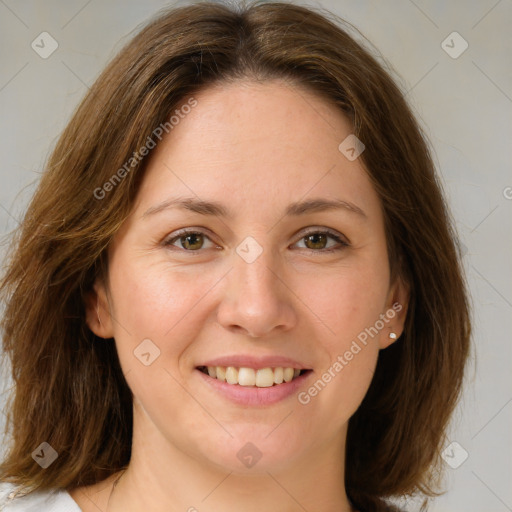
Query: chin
x=253, y=452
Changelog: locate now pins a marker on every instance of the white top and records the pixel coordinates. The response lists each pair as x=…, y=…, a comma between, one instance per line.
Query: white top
x=47, y=501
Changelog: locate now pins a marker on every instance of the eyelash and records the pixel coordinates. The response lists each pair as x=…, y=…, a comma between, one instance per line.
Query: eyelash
x=331, y=234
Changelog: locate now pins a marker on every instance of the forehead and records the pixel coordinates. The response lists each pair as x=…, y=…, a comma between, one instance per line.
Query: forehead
x=257, y=144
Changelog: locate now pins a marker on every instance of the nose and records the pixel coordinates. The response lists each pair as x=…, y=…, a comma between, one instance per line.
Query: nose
x=256, y=299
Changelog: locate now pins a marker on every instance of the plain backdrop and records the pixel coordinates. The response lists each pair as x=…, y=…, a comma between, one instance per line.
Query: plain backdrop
x=463, y=98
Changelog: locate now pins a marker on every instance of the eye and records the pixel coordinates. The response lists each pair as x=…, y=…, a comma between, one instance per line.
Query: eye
x=190, y=240
x=316, y=241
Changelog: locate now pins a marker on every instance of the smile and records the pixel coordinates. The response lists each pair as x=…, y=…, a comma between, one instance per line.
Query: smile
x=250, y=377
x=251, y=387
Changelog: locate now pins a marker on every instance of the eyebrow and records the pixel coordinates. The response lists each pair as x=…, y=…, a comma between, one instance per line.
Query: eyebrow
x=214, y=208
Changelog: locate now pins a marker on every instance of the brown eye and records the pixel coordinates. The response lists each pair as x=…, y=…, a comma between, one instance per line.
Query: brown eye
x=191, y=241
x=317, y=241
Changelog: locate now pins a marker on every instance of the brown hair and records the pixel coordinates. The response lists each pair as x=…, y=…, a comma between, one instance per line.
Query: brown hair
x=69, y=387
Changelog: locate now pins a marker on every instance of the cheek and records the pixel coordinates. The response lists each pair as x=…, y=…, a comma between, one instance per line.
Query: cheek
x=164, y=306
x=349, y=304
x=349, y=354
x=160, y=304
x=349, y=300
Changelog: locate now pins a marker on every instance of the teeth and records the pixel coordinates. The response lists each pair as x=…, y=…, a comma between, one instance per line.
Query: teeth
x=288, y=374
x=221, y=373
x=231, y=375
x=264, y=378
x=246, y=377
x=243, y=376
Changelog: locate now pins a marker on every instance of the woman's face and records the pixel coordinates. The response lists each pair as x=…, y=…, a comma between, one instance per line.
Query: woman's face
x=268, y=272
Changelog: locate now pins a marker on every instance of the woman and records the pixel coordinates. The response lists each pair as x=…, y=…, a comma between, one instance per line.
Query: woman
x=237, y=285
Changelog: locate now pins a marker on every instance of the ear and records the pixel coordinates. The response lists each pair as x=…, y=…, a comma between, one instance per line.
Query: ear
x=97, y=311
x=395, y=312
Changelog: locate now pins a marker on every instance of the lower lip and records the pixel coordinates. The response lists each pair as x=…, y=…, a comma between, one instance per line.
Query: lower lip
x=253, y=396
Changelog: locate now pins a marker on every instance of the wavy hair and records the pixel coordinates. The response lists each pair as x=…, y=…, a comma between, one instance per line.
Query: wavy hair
x=69, y=389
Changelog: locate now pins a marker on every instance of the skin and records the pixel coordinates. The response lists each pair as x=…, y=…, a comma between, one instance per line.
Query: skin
x=255, y=147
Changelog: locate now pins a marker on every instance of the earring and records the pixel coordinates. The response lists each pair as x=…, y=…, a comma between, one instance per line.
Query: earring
x=392, y=335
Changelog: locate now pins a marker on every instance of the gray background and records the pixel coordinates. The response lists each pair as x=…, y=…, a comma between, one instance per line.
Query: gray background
x=464, y=104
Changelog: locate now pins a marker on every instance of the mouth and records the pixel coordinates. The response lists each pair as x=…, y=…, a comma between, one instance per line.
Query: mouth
x=251, y=377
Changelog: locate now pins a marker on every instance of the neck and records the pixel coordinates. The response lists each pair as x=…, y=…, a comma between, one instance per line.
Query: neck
x=161, y=477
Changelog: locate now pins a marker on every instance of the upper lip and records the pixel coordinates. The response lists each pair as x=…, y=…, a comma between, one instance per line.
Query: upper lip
x=239, y=360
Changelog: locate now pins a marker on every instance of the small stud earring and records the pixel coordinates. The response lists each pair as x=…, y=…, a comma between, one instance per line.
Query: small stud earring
x=392, y=335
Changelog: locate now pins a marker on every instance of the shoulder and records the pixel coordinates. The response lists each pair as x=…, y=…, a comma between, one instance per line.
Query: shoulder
x=13, y=500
